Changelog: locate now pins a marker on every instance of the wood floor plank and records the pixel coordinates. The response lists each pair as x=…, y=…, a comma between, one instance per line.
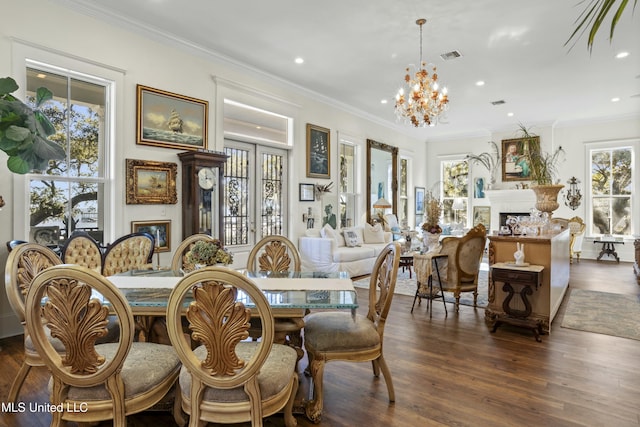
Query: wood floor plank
x=452, y=371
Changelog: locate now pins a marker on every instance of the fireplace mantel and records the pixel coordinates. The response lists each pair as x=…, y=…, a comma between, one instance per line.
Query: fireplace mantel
x=505, y=201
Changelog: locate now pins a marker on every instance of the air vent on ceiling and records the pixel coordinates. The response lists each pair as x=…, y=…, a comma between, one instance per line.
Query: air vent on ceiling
x=500, y=102
x=450, y=55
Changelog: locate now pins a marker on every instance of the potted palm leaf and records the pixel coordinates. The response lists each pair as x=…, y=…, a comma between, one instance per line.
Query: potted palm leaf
x=543, y=168
x=489, y=160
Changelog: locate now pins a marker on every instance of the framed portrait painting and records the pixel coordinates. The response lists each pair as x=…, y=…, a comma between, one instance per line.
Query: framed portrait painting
x=160, y=230
x=515, y=166
x=166, y=119
x=318, y=152
x=151, y=183
x=420, y=200
x=482, y=215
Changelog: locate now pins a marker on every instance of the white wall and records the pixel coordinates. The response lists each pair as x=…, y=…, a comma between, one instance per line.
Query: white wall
x=572, y=137
x=162, y=64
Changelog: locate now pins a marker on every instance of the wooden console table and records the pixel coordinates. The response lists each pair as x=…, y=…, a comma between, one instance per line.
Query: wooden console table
x=608, y=247
x=525, y=277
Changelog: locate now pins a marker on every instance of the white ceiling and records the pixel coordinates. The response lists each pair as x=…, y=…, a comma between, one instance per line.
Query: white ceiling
x=356, y=52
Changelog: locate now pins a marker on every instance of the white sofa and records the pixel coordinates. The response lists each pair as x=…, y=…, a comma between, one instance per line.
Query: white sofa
x=326, y=250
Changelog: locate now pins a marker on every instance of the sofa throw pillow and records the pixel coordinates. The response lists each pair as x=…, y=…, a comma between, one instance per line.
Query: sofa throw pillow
x=328, y=232
x=373, y=233
x=351, y=239
x=357, y=231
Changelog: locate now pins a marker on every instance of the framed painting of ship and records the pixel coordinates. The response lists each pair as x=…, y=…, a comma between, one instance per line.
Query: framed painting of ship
x=170, y=120
x=151, y=183
x=318, y=152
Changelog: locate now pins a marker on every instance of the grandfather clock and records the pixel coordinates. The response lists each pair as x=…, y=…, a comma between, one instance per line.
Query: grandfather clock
x=202, y=195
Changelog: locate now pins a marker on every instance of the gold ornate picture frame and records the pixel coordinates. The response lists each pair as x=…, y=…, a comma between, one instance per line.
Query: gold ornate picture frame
x=160, y=230
x=515, y=166
x=151, y=183
x=166, y=119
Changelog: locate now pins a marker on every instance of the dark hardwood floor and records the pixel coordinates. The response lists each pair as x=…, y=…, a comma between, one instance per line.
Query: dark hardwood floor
x=453, y=372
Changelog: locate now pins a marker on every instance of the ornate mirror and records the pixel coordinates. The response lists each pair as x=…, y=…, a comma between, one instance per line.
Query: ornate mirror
x=382, y=179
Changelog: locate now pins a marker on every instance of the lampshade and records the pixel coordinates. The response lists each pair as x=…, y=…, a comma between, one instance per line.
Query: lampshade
x=458, y=204
x=382, y=203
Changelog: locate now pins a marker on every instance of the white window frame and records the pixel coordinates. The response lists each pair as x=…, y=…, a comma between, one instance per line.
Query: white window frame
x=27, y=55
x=634, y=144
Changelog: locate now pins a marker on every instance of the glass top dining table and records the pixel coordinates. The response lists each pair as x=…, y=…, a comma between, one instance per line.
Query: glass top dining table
x=147, y=291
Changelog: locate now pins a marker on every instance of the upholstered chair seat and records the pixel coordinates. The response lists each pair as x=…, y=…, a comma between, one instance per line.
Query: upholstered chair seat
x=338, y=331
x=272, y=379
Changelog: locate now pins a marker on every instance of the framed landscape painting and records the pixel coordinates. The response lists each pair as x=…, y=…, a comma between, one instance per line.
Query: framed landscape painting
x=482, y=215
x=160, y=230
x=166, y=119
x=151, y=182
x=318, y=152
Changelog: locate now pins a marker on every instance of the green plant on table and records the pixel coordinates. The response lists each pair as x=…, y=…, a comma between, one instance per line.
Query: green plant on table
x=209, y=253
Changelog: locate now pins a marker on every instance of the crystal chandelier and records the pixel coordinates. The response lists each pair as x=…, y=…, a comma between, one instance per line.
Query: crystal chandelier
x=422, y=102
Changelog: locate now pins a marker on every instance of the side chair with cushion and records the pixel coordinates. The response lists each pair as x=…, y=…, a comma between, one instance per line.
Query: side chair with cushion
x=228, y=379
x=576, y=228
x=108, y=381
x=130, y=252
x=179, y=260
x=277, y=254
x=82, y=249
x=337, y=335
x=457, y=267
x=23, y=264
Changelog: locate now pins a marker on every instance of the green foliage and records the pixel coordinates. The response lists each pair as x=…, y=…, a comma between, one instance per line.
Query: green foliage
x=593, y=16
x=24, y=131
x=209, y=253
x=543, y=166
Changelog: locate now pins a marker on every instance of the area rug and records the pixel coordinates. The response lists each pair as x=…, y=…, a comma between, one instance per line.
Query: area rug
x=603, y=313
x=407, y=286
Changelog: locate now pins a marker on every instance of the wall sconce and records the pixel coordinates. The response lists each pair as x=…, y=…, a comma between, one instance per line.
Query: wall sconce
x=573, y=197
x=1, y=203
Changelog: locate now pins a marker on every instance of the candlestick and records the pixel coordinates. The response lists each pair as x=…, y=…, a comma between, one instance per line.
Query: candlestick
x=157, y=251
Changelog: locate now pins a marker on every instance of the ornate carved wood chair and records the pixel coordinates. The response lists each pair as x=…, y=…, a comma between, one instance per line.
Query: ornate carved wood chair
x=274, y=253
x=457, y=267
x=106, y=381
x=130, y=252
x=577, y=228
x=337, y=335
x=24, y=263
x=228, y=379
x=82, y=249
x=179, y=260
x=278, y=254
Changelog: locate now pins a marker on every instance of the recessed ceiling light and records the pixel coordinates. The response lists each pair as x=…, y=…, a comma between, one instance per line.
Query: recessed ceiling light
x=510, y=114
x=480, y=83
x=299, y=60
x=621, y=55
x=41, y=76
x=383, y=101
x=616, y=99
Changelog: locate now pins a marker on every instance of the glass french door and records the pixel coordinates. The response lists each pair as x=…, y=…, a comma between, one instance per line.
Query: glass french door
x=255, y=199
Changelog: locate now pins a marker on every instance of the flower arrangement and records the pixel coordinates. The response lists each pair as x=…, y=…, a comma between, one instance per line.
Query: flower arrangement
x=209, y=253
x=433, y=210
x=322, y=189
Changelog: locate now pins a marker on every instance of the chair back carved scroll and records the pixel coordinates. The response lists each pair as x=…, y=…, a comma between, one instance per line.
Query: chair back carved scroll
x=111, y=380
x=24, y=263
x=228, y=379
x=274, y=253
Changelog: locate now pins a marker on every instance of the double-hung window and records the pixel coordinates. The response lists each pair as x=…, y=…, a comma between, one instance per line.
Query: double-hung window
x=611, y=188
x=70, y=194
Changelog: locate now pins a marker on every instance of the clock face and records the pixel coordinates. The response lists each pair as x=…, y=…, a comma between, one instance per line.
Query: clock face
x=206, y=178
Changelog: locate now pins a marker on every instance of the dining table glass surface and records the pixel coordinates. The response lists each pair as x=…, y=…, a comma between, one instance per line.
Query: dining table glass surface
x=150, y=289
